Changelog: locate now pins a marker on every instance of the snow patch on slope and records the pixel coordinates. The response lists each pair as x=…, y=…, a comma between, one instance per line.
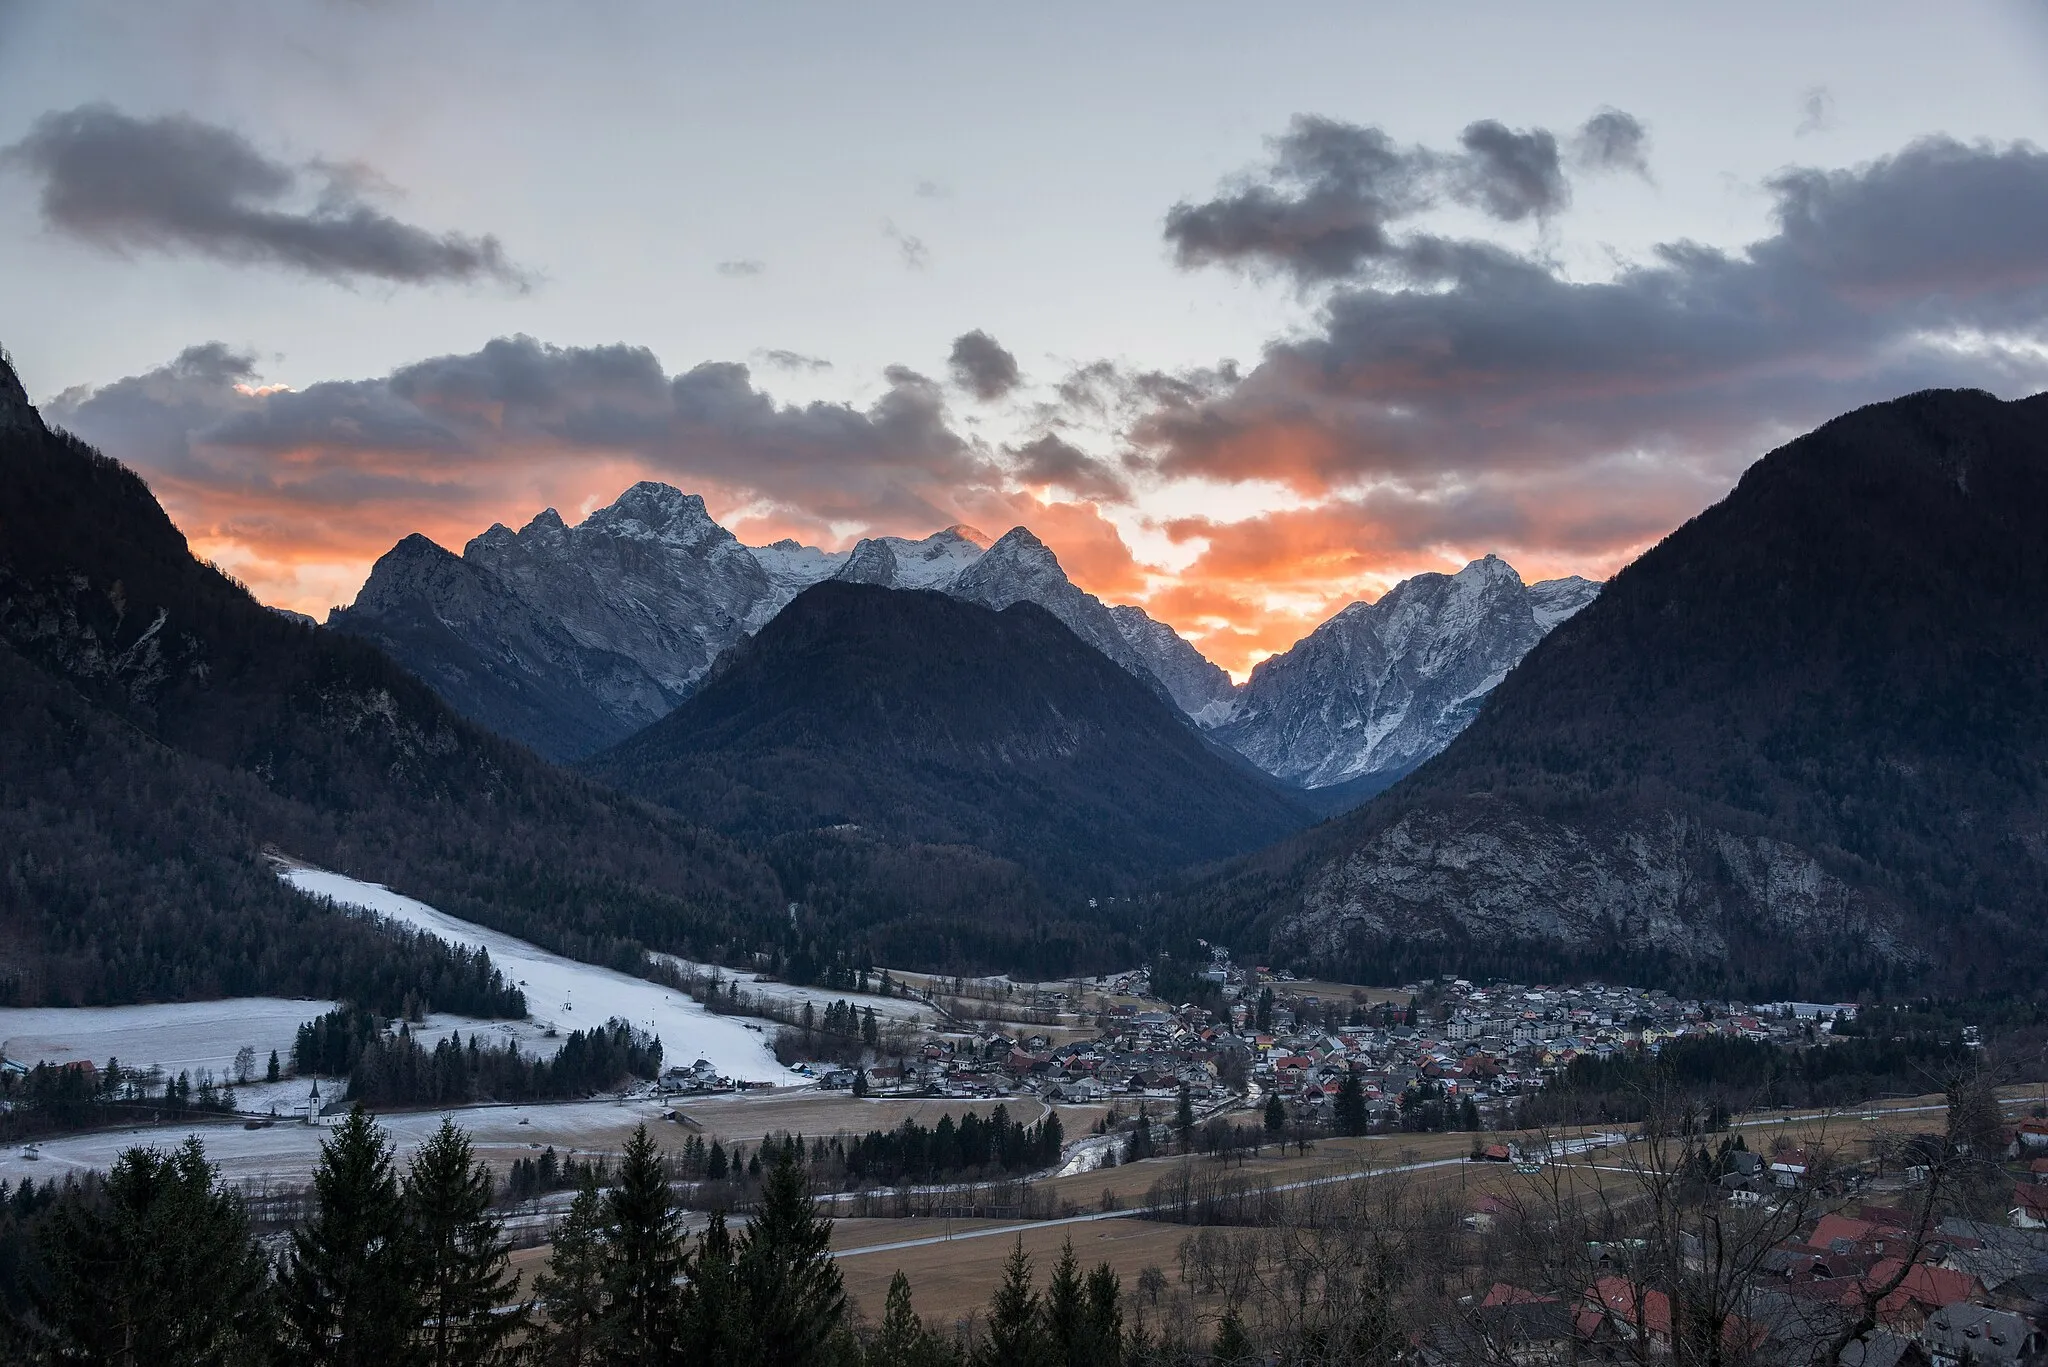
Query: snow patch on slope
x=563, y=992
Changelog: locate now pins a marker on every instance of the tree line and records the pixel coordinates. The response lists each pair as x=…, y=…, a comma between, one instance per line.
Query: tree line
x=391, y=1067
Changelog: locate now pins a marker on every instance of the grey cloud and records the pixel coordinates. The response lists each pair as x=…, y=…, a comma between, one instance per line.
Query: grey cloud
x=450, y=429
x=1511, y=174
x=911, y=250
x=1329, y=201
x=740, y=270
x=1323, y=209
x=1612, y=141
x=793, y=360
x=1816, y=112
x=1050, y=460
x=982, y=367
x=1925, y=268
x=933, y=189
x=175, y=184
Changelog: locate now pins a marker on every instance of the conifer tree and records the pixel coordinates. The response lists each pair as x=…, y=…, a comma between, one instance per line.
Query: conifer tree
x=346, y=1283
x=1066, y=1312
x=1350, y=1114
x=1106, y=1316
x=461, y=1255
x=570, y=1293
x=794, y=1293
x=1016, y=1336
x=715, y=1319
x=159, y=1268
x=643, y=1260
x=1276, y=1113
x=1233, y=1346
x=1184, y=1119
x=903, y=1340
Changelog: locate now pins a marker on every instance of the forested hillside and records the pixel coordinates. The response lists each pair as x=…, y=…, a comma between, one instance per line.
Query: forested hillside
x=1800, y=745
x=159, y=729
x=921, y=718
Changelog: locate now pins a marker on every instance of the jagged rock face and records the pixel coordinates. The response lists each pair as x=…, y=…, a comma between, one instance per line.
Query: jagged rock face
x=1020, y=568
x=1382, y=686
x=504, y=663
x=571, y=638
x=896, y=562
x=1658, y=884
x=1198, y=685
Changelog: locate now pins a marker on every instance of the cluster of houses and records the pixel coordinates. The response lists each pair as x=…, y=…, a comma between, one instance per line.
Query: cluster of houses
x=1452, y=1038
x=1456, y=1040
x=1966, y=1292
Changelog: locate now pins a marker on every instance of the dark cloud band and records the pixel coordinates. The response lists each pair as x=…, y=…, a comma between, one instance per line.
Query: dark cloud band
x=175, y=184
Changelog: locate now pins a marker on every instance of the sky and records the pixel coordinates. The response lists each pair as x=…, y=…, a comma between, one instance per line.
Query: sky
x=1248, y=313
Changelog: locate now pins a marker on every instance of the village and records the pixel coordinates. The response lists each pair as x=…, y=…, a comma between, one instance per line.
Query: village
x=1468, y=1051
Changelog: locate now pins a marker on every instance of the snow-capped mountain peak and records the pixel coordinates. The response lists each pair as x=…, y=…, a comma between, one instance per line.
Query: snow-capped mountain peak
x=1382, y=686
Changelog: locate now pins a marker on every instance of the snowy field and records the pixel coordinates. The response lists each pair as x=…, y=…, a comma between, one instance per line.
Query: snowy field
x=905, y=1009
x=175, y=1036
x=566, y=994
x=289, y=1151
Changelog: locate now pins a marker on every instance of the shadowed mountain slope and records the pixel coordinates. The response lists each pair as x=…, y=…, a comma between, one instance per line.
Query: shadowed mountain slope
x=919, y=717
x=1800, y=745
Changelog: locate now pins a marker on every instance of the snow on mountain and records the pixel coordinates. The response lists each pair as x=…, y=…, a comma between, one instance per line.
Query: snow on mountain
x=1198, y=685
x=899, y=563
x=1380, y=687
x=793, y=567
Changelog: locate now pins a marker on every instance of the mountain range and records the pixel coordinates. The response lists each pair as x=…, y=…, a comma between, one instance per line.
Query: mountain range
x=571, y=638
x=1801, y=745
x=916, y=716
x=161, y=732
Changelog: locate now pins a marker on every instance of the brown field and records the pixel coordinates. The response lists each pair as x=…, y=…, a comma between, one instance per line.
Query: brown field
x=952, y=1279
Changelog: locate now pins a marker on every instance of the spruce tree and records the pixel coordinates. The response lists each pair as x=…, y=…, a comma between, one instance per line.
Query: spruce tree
x=1351, y=1115
x=345, y=1286
x=1184, y=1119
x=1234, y=1346
x=1276, y=1113
x=793, y=1288
x=643, y=1260
x=1105, y=1316
x=462, y=1257
x=903, y=1340
x=1066, y=1312
x=570, y=1293
x=716, y=1325
x=1015, y=1337
x=159, y=1268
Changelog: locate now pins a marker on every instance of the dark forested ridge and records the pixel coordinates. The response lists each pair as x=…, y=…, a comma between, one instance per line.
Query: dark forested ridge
x=159, y=729
x=922, y=718
x=1800, y=744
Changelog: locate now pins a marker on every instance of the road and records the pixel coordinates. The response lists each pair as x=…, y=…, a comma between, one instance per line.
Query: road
x=1135, y=1213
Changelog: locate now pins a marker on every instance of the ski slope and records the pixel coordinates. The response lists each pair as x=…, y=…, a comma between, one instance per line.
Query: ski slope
x=564, y=993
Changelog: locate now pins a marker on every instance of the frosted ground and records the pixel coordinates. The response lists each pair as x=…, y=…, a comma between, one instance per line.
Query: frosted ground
x=185, y=1037
x=565, y=994
x=290, y=1150
x=906, y=1009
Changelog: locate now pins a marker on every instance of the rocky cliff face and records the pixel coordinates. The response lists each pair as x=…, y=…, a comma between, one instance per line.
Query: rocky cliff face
x=1382, y=686
x=1198, y=685
x=1798, y=747
x=570, y=638
x=1493, y=873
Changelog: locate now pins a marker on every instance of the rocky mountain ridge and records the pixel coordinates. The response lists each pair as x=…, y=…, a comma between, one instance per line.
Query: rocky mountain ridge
x=569, y=638
x=1798, y=747
x=1382, y=686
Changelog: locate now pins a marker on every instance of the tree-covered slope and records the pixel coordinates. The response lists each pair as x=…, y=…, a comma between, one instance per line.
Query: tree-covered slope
x=1800, y=744
x=921, y=718
x=164, y=728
